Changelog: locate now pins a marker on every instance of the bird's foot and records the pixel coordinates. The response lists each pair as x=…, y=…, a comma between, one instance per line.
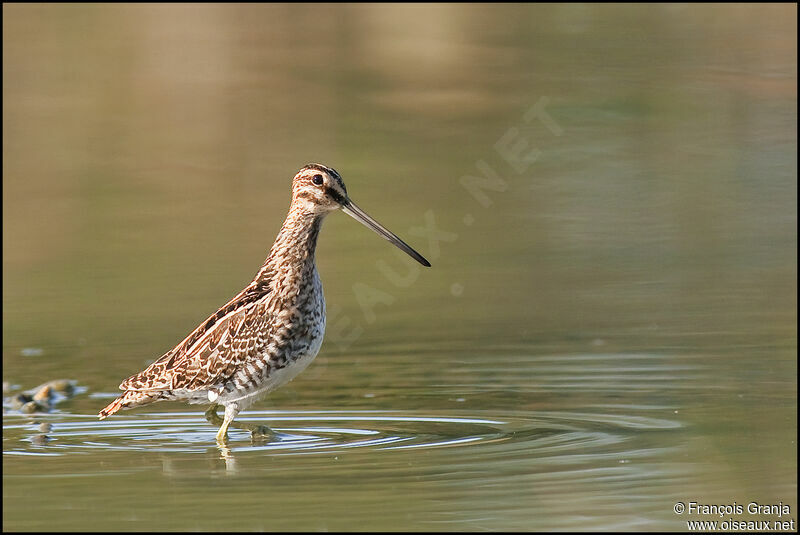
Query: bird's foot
x=260, y=433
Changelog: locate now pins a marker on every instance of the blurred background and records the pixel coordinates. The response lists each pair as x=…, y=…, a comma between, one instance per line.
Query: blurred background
x=607, y=193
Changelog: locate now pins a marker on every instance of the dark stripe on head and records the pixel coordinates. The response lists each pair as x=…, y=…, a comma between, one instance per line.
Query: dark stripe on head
x=336, y=196
x=331, y=171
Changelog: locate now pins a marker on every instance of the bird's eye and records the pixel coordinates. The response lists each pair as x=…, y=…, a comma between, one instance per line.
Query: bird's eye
x=317, y=180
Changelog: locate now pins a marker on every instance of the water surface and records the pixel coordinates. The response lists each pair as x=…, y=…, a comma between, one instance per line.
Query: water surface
x=607, y=195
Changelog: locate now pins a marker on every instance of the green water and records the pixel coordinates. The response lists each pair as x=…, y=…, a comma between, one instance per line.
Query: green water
x=607, y=195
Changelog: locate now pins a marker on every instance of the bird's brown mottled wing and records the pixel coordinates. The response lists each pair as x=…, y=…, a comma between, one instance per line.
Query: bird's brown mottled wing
x=212, y=352
x=220, y=356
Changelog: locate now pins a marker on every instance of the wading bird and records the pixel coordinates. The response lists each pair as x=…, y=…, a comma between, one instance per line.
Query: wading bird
x=270, y=331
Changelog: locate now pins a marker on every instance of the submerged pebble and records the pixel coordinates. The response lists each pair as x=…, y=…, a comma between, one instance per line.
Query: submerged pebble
x=40, y=440
x=44, y=393
x=62, y=386
x=41, y=398
x=18, y=400
x=33, y=406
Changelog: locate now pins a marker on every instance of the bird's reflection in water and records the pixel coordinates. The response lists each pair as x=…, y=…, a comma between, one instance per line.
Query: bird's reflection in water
x=260, y=436
x=226, y=455
x=183, y=463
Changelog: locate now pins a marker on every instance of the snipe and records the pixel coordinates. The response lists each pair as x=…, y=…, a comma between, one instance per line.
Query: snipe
x=271, y=330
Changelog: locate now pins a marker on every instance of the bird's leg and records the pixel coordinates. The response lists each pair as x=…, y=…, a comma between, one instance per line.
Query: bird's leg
x=214, y=419
x=222, y=434
x=212, y=416
x=230, y=413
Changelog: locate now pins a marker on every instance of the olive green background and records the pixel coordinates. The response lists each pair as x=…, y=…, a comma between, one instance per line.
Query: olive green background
x=609, y=326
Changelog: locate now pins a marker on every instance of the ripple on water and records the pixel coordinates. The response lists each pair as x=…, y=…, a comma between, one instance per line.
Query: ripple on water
x=542, y=433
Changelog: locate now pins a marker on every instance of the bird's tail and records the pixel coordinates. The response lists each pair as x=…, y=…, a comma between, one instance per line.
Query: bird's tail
x=129, y=399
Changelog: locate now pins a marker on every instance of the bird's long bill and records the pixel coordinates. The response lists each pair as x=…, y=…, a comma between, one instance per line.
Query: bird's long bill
x=350, y=208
